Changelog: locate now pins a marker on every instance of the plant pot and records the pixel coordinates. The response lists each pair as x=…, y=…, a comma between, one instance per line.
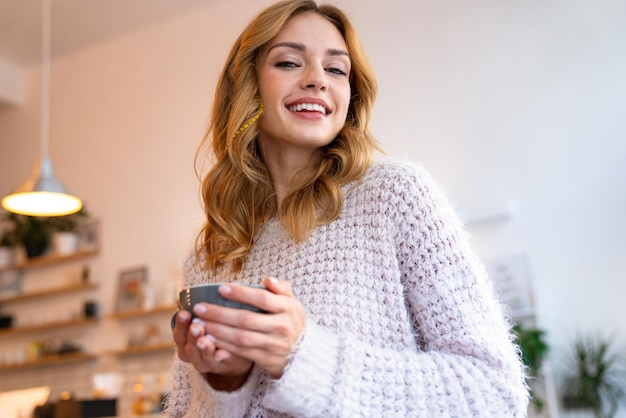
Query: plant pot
x=64, y=242
x=35, y=248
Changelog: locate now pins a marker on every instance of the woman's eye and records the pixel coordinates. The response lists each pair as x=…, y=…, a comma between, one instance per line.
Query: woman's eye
x=286, y=64
x=336, y=71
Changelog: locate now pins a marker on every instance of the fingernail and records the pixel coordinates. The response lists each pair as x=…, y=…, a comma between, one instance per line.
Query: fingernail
x=183, y=316
x=197, y=321
x=195, y=331
x=274, y=280
x=202, y=341
x=225, y=289
x=199, y=309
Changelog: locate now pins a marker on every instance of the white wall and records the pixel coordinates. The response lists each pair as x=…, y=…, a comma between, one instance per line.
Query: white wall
x=520, y=102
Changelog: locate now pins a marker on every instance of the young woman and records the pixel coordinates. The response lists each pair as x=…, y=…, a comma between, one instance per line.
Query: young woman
x=375, y=306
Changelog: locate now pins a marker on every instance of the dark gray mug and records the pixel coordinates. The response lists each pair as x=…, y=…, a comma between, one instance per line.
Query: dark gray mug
x=208, y=293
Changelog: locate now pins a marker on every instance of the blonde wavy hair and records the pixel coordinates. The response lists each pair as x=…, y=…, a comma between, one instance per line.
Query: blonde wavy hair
x=237, y=190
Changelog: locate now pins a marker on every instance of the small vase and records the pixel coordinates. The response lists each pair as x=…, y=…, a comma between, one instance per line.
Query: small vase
x=64, y=242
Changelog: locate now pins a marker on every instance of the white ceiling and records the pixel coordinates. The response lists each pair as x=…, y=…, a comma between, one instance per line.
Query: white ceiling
x=76, y=23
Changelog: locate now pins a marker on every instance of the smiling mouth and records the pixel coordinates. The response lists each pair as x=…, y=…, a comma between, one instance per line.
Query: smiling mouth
x=308, y=107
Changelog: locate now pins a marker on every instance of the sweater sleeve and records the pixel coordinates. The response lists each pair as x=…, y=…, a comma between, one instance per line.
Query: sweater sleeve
x=465, y=364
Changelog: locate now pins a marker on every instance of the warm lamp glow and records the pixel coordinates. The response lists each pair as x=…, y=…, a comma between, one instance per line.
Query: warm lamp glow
x=42, y=195
x=42, y=204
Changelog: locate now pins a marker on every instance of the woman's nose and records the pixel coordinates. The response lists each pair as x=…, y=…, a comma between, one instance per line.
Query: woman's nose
x=315, y=78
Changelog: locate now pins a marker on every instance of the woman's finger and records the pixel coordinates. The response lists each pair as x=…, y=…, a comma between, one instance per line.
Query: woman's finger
x=181, y=327
x=253, y=296
x=279, y=287
x=268, y=299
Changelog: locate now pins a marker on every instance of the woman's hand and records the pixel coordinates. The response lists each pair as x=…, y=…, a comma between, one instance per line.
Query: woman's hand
x=223, y=370
x=265, y=339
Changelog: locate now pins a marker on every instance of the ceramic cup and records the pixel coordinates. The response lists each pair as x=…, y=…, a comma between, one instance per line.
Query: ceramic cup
x=208, y=293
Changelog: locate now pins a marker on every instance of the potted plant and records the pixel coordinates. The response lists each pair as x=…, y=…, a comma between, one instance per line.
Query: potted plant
x=596, y=378
x=534, y=349
x=32, y=232
x=65, y=231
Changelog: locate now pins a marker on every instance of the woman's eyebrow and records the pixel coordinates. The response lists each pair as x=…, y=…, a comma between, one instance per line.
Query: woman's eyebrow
x=294, y=45
x=302, y=48
x=335, y=52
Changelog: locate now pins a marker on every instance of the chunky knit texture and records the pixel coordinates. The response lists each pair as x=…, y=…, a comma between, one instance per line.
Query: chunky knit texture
x=401, y=318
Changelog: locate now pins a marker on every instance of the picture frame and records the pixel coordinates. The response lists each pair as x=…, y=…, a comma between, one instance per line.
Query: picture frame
x=511, y=277
x=132, y=288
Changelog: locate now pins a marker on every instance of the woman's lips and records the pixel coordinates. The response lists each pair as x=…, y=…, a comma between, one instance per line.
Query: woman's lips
x=309, y=104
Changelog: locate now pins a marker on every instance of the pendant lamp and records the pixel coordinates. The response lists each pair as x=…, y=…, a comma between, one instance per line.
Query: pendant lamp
x=42, y=194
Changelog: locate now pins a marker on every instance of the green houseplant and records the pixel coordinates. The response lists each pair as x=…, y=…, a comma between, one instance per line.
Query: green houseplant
x=596, y=378
x=33, y=233
x=8, y=238
x=29, y=231
x=36, y=233
x=533, y=348
x=67, y=223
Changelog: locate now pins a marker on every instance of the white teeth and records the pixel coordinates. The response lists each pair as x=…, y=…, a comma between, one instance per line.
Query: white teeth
x=309, y=107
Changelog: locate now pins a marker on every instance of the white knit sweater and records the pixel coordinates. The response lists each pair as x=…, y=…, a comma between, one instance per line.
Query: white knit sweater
x=401, y=319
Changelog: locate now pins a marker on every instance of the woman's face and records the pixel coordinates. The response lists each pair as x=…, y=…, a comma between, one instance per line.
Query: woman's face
x=304, y=81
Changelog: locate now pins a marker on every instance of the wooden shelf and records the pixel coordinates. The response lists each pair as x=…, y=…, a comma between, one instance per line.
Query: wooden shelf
x=48, y=326
x=16, y=274
x=147, y=349
x=49, y=292
x=137, y=313
x=50, y=361
x=47, y=260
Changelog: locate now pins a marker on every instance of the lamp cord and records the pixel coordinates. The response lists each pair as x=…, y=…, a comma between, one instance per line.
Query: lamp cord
x=45, y=77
